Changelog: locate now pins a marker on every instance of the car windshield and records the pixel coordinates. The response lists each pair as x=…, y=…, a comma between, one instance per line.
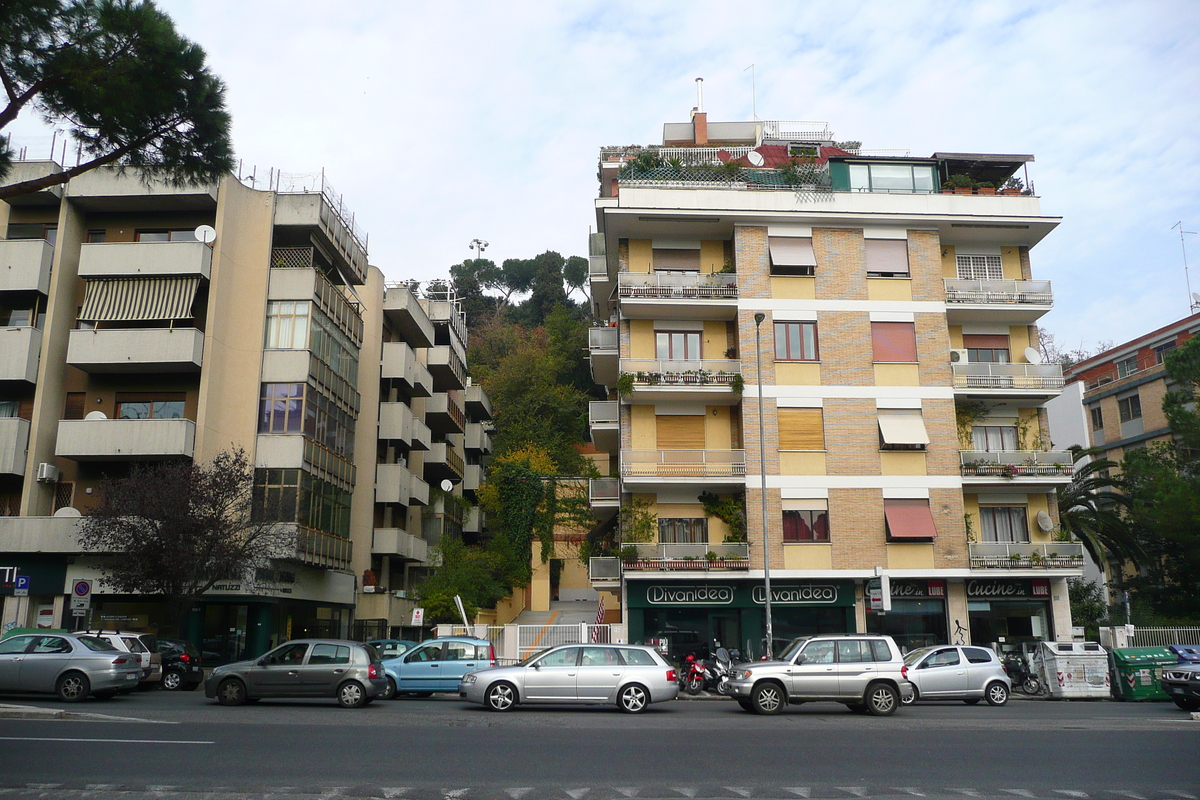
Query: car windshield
x=529, y=659
x=793, y=647
x=96, y=643
x=915, y=656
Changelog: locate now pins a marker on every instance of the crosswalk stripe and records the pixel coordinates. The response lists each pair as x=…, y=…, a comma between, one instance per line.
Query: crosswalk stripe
x=738, y=789
x=857, y=791
x=802, y=791
x=516, y=793
x=909, y=790
x=1127, y=793
x=1072, y=793
x=628, y=791
x=967, y=792
x=577, y=793
x=393, y=791
x=686, y=791
x=1019, y=792
x=1178, y=793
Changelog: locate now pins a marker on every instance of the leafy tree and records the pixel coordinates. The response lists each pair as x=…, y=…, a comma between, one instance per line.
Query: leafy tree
x=575, y=273
x=474, y=573
x=177, y=528
x=1088, y=608
x=470, y=279
x=1092, y=509
x=517, y=277
x=130, y=90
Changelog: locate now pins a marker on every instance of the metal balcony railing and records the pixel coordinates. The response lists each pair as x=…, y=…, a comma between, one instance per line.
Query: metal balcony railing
x=1122, y=369
x=604, y=490
x=1013, y=463
x=604, y=412
x=604, y=569
x=656, y=372
x=603, y=338
x=683, y=463
x=677, y=286
x=999, y=292
x=1007, y=376
x=725, y=555
x=1014, y=555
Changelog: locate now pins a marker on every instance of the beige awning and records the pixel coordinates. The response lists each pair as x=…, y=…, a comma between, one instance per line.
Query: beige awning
x=138, y=299
x=791, y=251
x=903, y=429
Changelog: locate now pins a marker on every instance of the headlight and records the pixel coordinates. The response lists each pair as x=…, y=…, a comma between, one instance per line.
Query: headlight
x=469, y=678
x=745, y=674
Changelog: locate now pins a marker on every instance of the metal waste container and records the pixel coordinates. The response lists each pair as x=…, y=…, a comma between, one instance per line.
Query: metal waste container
x=1073, y=670
x=1186, y=653
x=1138, y=670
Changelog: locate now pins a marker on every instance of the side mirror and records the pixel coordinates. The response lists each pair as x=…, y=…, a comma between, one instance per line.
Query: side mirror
x=262, y=662
x=800, y=659
x=925, y=665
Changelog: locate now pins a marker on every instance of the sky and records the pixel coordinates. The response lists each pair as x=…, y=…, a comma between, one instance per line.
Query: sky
x=445, y=122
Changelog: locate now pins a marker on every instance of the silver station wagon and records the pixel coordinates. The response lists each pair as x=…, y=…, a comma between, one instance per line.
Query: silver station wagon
x=633, y=677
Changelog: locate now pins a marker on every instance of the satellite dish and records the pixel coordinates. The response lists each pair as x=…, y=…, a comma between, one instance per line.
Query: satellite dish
x=755, y=158
x=1196, y=297
x=1044, y=522
x=206, y=234
x=96, y=415
x=447, y=485
x=67, y=511
x=1033, y=356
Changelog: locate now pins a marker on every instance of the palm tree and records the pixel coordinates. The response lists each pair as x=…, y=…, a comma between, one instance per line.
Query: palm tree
x=1091, y=509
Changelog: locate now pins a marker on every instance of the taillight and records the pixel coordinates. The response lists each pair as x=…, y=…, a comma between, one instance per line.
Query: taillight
x=120, y=660
x=373, y=671
x=672, y=676
x=491, y=655
x=904, y=671
x=185, y=658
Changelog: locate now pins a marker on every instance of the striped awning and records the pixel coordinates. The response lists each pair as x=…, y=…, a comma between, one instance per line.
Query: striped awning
x=138, y=299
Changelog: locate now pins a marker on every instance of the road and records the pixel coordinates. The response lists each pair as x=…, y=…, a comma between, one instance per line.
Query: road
x=168, y=745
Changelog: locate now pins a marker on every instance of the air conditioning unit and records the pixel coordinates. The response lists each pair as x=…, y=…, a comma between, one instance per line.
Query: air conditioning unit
x=47, y=473
x=401, y=594
x=958, y=356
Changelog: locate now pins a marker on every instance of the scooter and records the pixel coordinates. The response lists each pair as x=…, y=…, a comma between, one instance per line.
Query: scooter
x=722, y=670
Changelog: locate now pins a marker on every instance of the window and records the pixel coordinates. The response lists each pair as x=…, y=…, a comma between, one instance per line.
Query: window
x=459, y=651
x=600, y=657
x=429, y=652
x=1127, y=366
x=902, y=178
x=33, y=230
x=792, y=255
x=987, y=348
x=680, y=431
x=185, y=235
x=979, y=268
x=8, y=408
x=887, y=258
x=1004, y=523
x=683, y=530
x=329, y=654
x=75, y=406
x=801, y=429
x=994, y=438
x=17, y=644
x=97, y=237
x=908, y=518
x=287, y=325
x=854, y=651
x=894, y=342
x=567, y=657
x=281, y=408
x=53, y=644
x=942, y=658
x=638, y=658
x=134, y=405
x=288, y=655
x=1097, y=418
x=677, y=345
x=96, y=644
x=1130, y=407
x=676, y=259
x=881, y=650
x=805, y=525
x=294, y=495
x=977, y=655
x=1160, y=352
x=796, y=341
x=902, y=429
x=821, y=652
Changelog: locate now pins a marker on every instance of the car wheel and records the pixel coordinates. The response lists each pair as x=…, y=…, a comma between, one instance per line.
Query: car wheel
x=231, y=692
x=500, y=696
x=996, y=693
x=768, y=698
x=908, y=701
x=633, y=699
x=972, y=701
x=745, y=704
x=172, y=680
x=390, y=692
x=351, y=695
x=73, y=687
x=1187, y=703
x=881, y=699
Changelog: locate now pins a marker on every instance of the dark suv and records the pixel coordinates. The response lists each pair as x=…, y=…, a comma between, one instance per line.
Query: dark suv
x=181, y=665
x=1181, y=682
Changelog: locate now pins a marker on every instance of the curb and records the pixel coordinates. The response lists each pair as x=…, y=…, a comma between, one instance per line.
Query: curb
x=38, y=712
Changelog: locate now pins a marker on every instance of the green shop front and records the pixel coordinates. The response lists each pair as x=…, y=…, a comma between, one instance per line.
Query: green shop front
x=682, y=617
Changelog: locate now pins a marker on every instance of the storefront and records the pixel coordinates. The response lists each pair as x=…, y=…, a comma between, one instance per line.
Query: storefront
x=32, y=591
x=918, y=615
x=1009, y=611
x=687, y=617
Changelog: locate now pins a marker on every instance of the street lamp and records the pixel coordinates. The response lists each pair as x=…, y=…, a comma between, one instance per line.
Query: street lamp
x=478, y=245
x=762, y=465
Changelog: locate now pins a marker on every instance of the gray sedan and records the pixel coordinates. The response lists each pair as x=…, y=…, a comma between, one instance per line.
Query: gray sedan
x=948, y=672
x=633, y=677
x=70, y=666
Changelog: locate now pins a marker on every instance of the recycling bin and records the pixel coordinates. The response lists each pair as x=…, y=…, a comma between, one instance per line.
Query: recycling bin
x=1073, y=670
x=1137, y=672
x=1186, y=653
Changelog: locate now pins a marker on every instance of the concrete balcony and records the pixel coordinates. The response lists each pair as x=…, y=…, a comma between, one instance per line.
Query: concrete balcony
x=422, y=437
x=604, y=423
x=479, y=405
x=1007, y=467
x=393, y=484
x=473, y=520
x=671, y=295
x=398, y=542
x=715, y=382
x=405, y=313
x=107, y=350
x=690, y=557
x=322, y=217
x=418, y=492
x=446, y=367
x=1026, y=381
x=400, y=363
x=20, y=349
x=441, y=463
x=110, y=190
x=1042, y=557
x=396, y=423
x=25, y=265
x=476, y=438
x=604, y=497
x=14, y=444
x=472, y=478
x=125, y=439
x=320, y=549
x=604, y=352
x=710, y=467
x=393, y=606
x=1004, y=302
x=443, y=415
x=144, y=259
x=40, y=534
x=446, y=312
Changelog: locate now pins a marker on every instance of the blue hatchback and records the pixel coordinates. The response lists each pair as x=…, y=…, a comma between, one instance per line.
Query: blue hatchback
x=437, y=665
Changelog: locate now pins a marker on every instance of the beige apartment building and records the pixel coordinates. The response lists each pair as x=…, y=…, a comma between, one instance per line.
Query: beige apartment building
x=900, y=391
x=141, y=322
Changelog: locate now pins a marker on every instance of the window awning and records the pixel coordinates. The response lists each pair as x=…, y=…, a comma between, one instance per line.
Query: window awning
x=909, y=519
x=138, y=299
x=792, y=251
x=903, y=429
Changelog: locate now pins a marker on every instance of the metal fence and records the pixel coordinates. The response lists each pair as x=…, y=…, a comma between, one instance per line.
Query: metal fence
x=1161, y=637
x=531, y=638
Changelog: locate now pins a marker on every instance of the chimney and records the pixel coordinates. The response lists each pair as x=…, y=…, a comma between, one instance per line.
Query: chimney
x=700, y=128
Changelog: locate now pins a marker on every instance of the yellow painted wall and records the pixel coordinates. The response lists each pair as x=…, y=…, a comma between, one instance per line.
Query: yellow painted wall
x=641, y=338
x=717, y=432
x=641, y=255
x=971, y=509
x=910, y=556
x=889, y=289
x=901, y=463
x=792, y=373
x=949, y=267
x=713, y=342
x=643, y=433
x=794, y=288
x=792, y=462
x=540, y=596
x=1018, y=340
x=808, y=556
x=712, y=255
x=897, y=375
x=1010, y=263
x=956, y=340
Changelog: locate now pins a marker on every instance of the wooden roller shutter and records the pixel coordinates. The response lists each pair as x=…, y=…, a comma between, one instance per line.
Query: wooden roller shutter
x=75, y=406
x=801, y=429
x=680, y=432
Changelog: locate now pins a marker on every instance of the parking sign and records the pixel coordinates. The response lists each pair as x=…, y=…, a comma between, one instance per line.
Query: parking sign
x=21, y=586
x=81, y=589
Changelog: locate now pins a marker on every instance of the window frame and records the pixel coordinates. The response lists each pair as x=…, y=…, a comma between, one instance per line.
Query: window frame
x=1127, y=405
x=1011, y=515
x=991, y=267
x=1097, y=415
x=688, y=338
x=696, y=530
x=1127, y=366
x=810, y=519
x=803, y=328
x=151, y=400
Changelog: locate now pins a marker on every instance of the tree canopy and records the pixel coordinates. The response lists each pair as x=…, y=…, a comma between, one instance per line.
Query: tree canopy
x=128, y=88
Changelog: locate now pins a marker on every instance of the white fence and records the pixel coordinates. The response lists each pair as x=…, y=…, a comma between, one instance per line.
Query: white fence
x=1161, y=637
x=514, y=642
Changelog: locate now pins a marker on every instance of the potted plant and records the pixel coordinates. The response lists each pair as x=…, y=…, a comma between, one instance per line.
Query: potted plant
x=959, y=184
x=986, y=187
x=629, y=554
x=710, y=556
x=1015, y=559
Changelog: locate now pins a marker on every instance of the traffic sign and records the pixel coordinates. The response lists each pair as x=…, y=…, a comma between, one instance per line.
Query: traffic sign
x=21, y=586
x=80, y=603
x=81, y=588
x=418, y=617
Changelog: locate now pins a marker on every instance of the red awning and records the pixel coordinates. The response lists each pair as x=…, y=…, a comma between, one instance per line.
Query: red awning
x=909, y=519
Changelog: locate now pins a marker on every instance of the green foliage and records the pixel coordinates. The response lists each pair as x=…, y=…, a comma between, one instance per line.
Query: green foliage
x=1092, y=507
x=629, y=553
x=730, y=170
x=1088, y=608
x=475, y=573
x=624, y=385
x=966, y=414
x=731, y=510
x=638, y=522
x=959, y=181
x=738, y=384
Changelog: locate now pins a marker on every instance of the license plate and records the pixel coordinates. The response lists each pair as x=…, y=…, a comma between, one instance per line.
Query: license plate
x=131, y=677
x=1176, y=690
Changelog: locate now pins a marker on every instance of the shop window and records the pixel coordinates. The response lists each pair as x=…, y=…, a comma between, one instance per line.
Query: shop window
x=144, y=405
x=902, y=429
x=803, y=525
x=1130, y=408
x=979, y=268
x=792, y=255
x=683, y=531
x=894, y=342
x=887, y=258
x=796, y=341
x=994, y=438
x=1004, y=523
x=677, y=345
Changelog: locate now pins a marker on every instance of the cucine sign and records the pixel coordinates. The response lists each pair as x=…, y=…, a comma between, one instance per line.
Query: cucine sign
x=1000, y=590
x=689, y=595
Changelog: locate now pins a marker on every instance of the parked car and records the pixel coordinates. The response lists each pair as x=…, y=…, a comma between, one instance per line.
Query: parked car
x=1181, y=682
x=69, y=665
x=864, y=672
x=391, y=648
x=436, y=665
x=143, y=645
x=632, y=676
x=182, y=665
x=350, y=671
x=947, y=672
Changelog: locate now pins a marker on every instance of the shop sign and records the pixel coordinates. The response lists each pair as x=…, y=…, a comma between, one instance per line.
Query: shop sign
x=33, y=576
x=741, y=594
x=903, y=589
x=689, y=595
x=1008, y=590
x=804, y=594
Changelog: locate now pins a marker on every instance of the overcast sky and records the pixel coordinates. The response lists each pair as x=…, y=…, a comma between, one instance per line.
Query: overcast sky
x=442, y=122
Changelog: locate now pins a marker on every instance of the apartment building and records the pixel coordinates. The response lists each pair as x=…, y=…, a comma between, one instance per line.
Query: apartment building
x=145, y=322
x=900, y=391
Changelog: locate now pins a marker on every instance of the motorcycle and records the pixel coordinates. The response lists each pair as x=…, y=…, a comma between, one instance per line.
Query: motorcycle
x=722, y=670
x=693, y=675
x=1022, y=677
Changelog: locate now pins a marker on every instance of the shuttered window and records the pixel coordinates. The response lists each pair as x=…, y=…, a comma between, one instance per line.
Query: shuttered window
x=138, y=299
x=979, y=268
x=676, y=259
x=894, y=342
x=887, y=258
x=76, y=405
x=801, y=429
x=680, y=432
x=792, y=255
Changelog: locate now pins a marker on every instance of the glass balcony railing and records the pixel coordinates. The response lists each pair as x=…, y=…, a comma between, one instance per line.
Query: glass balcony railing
x=677, y=286
x=683, y=463
x=1015, y=463
x=999, y=292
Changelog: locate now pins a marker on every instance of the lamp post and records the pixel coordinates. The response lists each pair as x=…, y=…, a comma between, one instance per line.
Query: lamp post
x=762, y=465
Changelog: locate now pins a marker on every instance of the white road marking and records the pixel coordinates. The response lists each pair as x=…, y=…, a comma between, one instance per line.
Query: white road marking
x=105, y=741
x=1178, y=793
x=42, y=785
x=1072, y=793
x=99, y=787
x=456, y=793
x=1019, y=792
x=686, y=791
x=577, y=793
x=1127, y=793
x=908, y=790
x=519, y=792
x=161, y=788
x=393, y=791
x=738, y=789
x=802, y=791
x=857, y=791
x=628, y=791
x=967, y=792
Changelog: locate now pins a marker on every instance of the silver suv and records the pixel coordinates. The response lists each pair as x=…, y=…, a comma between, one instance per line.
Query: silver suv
x=863, y=671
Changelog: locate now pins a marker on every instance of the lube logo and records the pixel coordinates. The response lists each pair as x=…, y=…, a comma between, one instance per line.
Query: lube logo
x=804, y=594
x=686, y=595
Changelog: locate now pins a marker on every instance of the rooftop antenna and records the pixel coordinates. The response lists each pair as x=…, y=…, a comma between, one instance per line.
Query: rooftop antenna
x=753, y=93
x=1193, y=299
x=700, y=94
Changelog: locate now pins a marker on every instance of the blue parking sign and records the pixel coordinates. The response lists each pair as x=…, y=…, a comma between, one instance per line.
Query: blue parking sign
x=21, y=586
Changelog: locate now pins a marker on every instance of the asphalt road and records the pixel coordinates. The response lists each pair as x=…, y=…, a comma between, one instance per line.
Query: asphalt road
x=181, y=745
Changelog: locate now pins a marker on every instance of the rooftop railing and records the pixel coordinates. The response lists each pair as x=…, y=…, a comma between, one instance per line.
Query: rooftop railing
x=683, y=463
x=979, y=375
x=1001, y=292
x=1122, y=369
x=669, y=285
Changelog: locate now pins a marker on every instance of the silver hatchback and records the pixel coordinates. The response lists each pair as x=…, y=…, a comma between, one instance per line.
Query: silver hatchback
x=949, y=672
x=630, y=676
x=349, y=671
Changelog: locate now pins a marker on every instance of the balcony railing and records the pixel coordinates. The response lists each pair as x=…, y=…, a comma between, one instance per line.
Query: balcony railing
x=1000, y=292
x=704, y=556
x=604, y=491
x=677, y=286
x=604, y=569
x=1014, y=463
x=320, y=549
x=1011, y=555
x=1007, y=376
x=604, y=412
x=661, y=372
x=1122, y=369
x=603, y=338
x=683, y=463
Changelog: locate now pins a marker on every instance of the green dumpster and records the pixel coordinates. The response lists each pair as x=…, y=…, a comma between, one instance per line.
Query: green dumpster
x=1138, y=670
